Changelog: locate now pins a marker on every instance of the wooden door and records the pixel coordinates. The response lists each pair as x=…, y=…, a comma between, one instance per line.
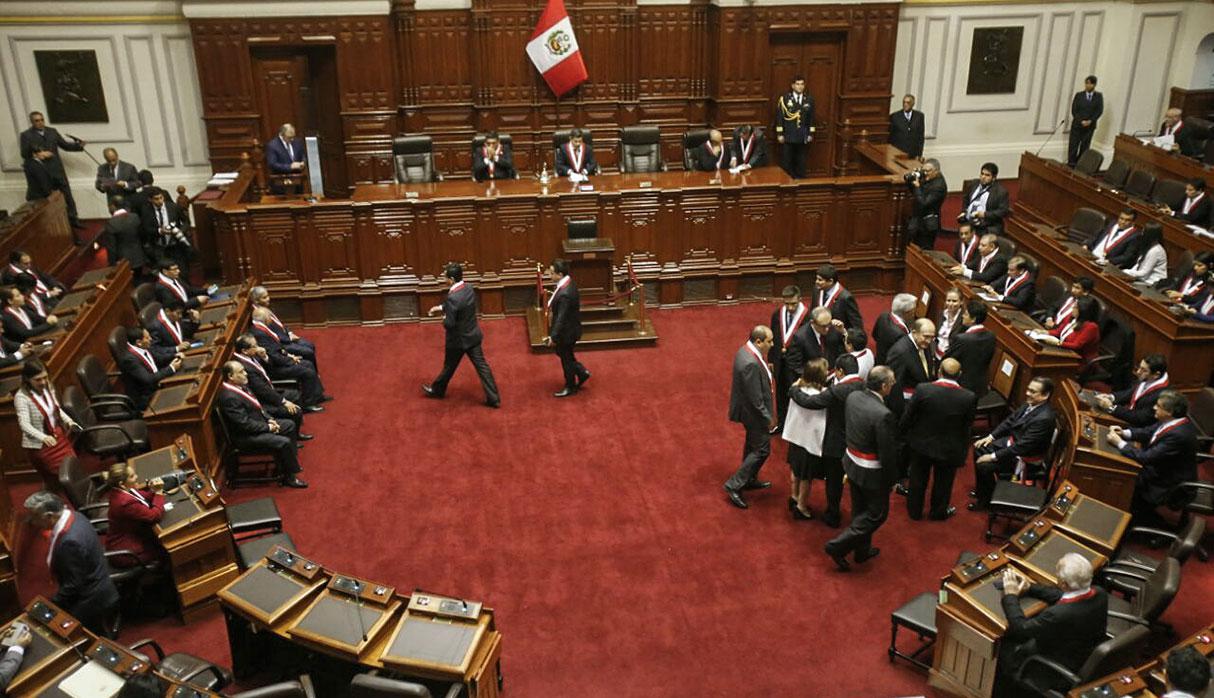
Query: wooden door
x=325, y=120
x=819, y=58
x=283, y=91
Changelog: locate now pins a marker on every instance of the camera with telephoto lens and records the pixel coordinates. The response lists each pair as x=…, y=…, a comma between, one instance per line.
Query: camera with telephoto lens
x=912, y=176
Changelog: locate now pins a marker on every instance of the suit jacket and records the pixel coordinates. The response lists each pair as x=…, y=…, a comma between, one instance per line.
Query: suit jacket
x=784, y=366
x=276, y=352
x=1030, y=434
x=564, y=163
x=151, y=225
x=1084, y=109
x=1065, y=632
x=16, y=330
x=1199, y=215
x=843, y=308
x=40, y=180
x=503, y=167
x=834, y=401
x=1171, y=460
x=870, y=428
x=279, y=160
x=974, y=350
x=1125, y=253
x=49, y=139
x=758, y=148
x=107, y=181
x=262, y=388
x=459, y=318
x=1187, y=138
x=140, y=381
x=995, y=268
x=162, y=336
x=792, y=120
x=904, y=359
x=123, y=240
x=750, y=390
x=937, y=421
x=10, y=665
x=1143, y=412
x=565, y=316
x=907, y=134
x=79, y=567
x=998, y=205
x=166, y=293
x=1022, y=296
x=805, y=347
x=131, y=521
x=885, y=333
x=705, y=161
x=973, y=256
x=927, y=198
x=242, y=417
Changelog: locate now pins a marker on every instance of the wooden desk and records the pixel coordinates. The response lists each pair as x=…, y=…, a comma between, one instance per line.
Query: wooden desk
x=107, y=307
x=1185, y=342
x=57, y=638
x=1039, y=546
x=929, y=270
x=41, y=229
x=1088, y=519
x=695, y=237
x=1094, y=465
x=1162, y=163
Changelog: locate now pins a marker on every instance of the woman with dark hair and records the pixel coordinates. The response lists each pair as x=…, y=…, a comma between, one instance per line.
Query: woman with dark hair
x=803, y=430
x=1202, y=307
x=1081, y=334
x=44, y=424
x=134, y=508
x=1192, y=285
x=19, y=323
x=1152, y=263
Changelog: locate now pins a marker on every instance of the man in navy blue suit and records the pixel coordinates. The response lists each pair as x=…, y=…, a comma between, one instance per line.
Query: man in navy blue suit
x=285, y=154
x=1166, y=450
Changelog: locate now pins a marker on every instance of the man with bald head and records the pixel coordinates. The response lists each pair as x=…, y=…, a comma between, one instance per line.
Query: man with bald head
x=1184, y=140
x=252, y=428
x=750, y=404
x=285, y=156
x=988, y=265
x=936, y=428
x=913, y=362
x=713, y=155
x=115, y=177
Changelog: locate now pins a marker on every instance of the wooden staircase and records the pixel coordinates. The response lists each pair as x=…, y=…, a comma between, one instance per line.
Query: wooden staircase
x=619, y=324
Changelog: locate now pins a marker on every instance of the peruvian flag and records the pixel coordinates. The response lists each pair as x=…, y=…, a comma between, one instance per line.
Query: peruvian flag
x=554, y=50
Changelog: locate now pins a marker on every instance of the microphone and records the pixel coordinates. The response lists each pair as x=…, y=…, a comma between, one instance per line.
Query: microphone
x=1051, y=136
x=354, y=588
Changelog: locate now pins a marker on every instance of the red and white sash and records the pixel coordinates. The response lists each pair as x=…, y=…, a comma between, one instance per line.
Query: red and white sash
x=1145, y=388
x=720, y=157
x=171, y=326
x=1191, y=286
x=1013, y=284
x=36, y=302
x=1065, y=311
x=1190, y=203
x=750, y=346
x=137, y=496
x=144, y=355
x=64, y=523
x=265, y=328
x=173, y=285
x=455, y=287
x=575, y=160
x=1115, y=238
x=559, y=285
x=746, y=146
x=787, y=330
x=21, y=316
x=1072, y=597
x=849, y=378
x=968, y=249
x=42, y=287
x=899, y=322
x=48, y=406
x=1068, y=329
x=255, y=364
x=491, y=160
x=947, y=382
x=242, y=393
x=1208, y=306
x=863, y=459
x=975, y=328
x=825, y=301
x=274, y=319
x=1166, y=427
x=985, y=260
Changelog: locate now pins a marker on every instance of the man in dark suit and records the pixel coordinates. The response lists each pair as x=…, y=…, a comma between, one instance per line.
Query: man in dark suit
x=965, y=250
x=749, y=148
x=1196, y=207
x=936, y=426
x=77, y=562
x=293, y=343
x=41, y=142
x=143, y=189
x=251, y=428
x=115, y=177
x=492, y=160
x=906, y=128
x=20, y=263
x=162, y=230
x=713, y=155
x=279, y=404
x=973, y=348
x=928, y=192
x=785, y=322
x=794, y=127
x=985, y=202
x=1185, y=140
x=870, y=461
x=122, y=236
x=913, y=362
x=893, y=325
x=565, y=327
x=838, y=300
x=817, y=339
x=170, y=286
x=169, y=334
x=1016, y=286
x=1017, y=445
x=1086, y=109
x=464, y=337
x=1068, y=308
x=834, y=401
x=287, y=366
x=1166, y=450
x=141, y=374
x=1119, y=244
x=1067, y=632
x=576, y=157
x=750, y=405
x=989, y=266
x=1136, y=405
x=285, y=156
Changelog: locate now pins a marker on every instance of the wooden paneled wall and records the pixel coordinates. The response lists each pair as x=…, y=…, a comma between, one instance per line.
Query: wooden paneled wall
x=453, y=73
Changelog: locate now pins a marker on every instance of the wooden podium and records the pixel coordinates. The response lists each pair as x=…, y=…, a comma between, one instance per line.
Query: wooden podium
x=591, y=262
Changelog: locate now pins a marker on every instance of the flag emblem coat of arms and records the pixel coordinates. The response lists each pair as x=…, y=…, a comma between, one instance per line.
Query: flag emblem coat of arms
x=554, y=51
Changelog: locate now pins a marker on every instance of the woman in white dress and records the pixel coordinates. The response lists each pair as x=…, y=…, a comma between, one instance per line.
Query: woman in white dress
x=1152, y=264
x=803, y=430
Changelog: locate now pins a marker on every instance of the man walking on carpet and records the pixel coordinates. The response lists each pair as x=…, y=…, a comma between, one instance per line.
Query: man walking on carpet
x=750, y=403
x=463, y=337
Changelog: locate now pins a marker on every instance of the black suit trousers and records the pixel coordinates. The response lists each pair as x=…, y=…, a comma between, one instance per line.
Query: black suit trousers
x=869, y=509
x=570, y=366
x=921, y=468
x=282, y=445
x=755, y=451
x=922, y=231
x=833, y=470
x=311, y=389
x=793, y=158
x=1079, y=141
x=451, y=358
x=985, y=474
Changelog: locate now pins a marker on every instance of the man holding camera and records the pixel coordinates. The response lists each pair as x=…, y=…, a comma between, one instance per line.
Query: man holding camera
x=162, y=231
x=928, y=191
x=985, y=202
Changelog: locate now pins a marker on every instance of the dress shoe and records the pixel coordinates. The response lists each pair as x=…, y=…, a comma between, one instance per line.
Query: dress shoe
x=947, y=513
x=312, y=409
x=565, y=392
x=792, y=504
x=326, y=398
x=840, y=561
x=735, y=498
x=868, y=554
x=901, y=489
x=295, y=482
x=305, y=437
x=975, y=506
x=799, y=515
x=431, y=392
x=832, y=519
x=491, y=403
x=756, y=485
x=972, y=494
x=581, y=380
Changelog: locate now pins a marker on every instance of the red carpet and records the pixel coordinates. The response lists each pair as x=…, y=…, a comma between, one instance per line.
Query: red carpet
x=597, y=527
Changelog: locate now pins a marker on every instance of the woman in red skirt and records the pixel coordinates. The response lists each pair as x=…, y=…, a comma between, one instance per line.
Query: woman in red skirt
x=44, y=424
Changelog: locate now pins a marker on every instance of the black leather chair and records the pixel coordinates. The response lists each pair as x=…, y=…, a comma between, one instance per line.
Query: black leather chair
x=372, y=686
x=1019, y=501
x=253, y=518
x=691, y=141
x=560, y=138
x=1117, y=174
x=1050, y=292
x=641, y=149
x=413, y=157
x=184, y=668
x=507, y=142
x=301, y=688
x=116, y=341
x=108, y=439
x=582, y=229
x=85, y=492
x=1169, y=192
x=243, y=466
x=108, y=404
x=1140, y=184
x=1007, y=246
x=1041, y=676
x=1157, y=591
x=1086, y=224
x=1208, y=157
x=1184, y=544
x=142, y=295
x=147, y=315
x=1089, y=163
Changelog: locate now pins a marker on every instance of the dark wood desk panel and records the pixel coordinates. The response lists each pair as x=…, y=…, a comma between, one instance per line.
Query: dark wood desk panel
x=1185, y=342
x=41, y=229
x=1162, y=163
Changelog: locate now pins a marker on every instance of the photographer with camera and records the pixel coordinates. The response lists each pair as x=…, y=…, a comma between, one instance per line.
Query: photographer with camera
x=985, y=202
x=928, y=191
x=135, y=507
x=162, y=234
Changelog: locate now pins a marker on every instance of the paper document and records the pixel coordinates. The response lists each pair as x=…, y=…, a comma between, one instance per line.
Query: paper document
x=92, y=681
x=1164, y=142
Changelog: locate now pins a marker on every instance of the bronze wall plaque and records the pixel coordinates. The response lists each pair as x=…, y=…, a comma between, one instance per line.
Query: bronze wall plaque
x=71, y=85
x=994, y=60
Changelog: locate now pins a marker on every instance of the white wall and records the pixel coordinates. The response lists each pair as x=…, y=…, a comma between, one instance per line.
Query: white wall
x=1138, y=51
x=1203, y=66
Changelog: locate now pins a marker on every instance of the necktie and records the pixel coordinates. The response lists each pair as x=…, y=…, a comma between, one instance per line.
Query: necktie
x=923, y=360
x=787, y=318
x=1089, y=96
x=160, y=216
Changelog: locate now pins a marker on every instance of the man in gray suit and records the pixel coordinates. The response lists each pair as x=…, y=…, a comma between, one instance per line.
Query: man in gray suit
x=750, y=399
x=122, y=236
x=115, y=177
x=871, y=464
x=41, y=142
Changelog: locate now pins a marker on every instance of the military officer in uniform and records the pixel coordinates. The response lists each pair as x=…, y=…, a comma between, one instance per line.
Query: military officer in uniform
x=794, y=121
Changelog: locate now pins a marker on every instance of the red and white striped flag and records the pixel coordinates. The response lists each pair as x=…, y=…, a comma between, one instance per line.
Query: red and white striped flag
x=554, y=50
